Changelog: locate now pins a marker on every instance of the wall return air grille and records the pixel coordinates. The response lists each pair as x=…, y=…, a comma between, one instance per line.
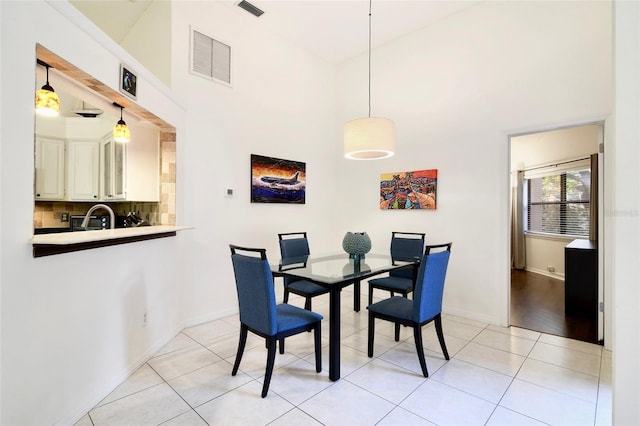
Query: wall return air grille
x=210, y=58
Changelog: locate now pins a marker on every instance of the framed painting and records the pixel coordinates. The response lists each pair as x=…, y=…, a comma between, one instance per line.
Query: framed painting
x=274, y=180
x=128, y=82
x=409, y=190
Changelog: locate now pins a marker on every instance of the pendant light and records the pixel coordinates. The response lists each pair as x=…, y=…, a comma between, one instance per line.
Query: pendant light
x=369, y=138
x=121, y=132
x=47, y=100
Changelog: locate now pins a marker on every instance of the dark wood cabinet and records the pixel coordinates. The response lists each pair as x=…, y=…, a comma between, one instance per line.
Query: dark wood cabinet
x=581, y=278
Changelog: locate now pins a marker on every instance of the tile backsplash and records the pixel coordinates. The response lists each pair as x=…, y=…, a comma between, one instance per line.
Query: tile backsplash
x=48, y=214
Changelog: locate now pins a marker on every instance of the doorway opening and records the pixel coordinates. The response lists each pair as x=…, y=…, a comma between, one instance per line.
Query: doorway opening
x=555, y=199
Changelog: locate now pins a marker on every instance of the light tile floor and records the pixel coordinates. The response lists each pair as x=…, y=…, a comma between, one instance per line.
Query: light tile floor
x=496, y=376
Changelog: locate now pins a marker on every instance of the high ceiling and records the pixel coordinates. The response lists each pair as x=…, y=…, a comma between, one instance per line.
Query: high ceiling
x=334, y=30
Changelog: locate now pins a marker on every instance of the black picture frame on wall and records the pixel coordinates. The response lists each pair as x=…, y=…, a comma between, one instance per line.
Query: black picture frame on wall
x=128, y=82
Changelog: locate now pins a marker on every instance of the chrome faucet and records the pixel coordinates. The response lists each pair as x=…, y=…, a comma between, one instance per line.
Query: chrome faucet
x=112, y=223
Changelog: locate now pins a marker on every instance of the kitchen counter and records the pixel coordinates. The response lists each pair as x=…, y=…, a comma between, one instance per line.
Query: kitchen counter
x=65, y=242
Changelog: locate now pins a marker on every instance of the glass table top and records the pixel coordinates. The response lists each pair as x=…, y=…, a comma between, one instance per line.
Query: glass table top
x=336, y=268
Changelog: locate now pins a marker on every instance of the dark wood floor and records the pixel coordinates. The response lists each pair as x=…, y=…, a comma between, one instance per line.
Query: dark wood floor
x=537, y=303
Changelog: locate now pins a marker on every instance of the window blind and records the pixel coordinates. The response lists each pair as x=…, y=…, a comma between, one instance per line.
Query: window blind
x=560, y=203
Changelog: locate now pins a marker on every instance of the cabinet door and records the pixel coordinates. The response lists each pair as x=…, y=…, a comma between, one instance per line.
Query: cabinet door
x=119, y=161
x=113, y=178
x=84, y=170
x=143, y=165
x=49, y=169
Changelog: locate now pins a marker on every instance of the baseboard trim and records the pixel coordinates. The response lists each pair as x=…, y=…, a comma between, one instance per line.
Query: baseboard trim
x=545, y=273
x=209, y=317
x=487, y=319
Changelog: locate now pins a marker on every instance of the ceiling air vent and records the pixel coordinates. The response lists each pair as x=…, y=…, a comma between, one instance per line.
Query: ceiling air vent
x=250, y=8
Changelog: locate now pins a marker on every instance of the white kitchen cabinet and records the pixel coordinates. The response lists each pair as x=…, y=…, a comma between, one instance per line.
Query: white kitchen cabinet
x=143, y=165
x=99, y=169
x=83, y=169
x=114, y=169
x=50, y=169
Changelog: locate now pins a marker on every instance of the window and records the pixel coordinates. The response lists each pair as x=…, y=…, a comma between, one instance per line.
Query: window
x=559, y=203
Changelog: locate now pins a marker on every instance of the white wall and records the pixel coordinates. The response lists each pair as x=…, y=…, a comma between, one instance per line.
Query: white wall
x=72, y=324
x=281, y=105
x=456, y=91
x=554, y=146
x=543, y=253
x=625, y=216
x=149, y=40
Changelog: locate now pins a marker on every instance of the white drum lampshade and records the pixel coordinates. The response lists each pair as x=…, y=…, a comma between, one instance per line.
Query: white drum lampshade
x=370, y=138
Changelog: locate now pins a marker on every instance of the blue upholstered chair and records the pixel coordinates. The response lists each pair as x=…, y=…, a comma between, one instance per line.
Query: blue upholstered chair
x=425, y=307
x=260, y=314
x=296, y=245
x=406, y=246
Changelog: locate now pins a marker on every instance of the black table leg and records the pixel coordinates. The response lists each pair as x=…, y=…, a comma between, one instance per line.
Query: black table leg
x=356, y=295
x=334, y=333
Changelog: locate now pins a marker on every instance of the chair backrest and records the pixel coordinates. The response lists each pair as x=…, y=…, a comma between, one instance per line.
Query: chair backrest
x=427, y=296
x=406, y=246
x=293, y=245
x=254, y=283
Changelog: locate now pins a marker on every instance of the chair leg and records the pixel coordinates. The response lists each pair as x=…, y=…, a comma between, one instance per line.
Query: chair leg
x=370, y=294
x=397, y=333
x=438, y=322
x=271, y=356
x=307, y=303
x=281, y=346
x=417, y=336
x=241, y=345
x=317, y=337
x=372, y=324
x=285, y=298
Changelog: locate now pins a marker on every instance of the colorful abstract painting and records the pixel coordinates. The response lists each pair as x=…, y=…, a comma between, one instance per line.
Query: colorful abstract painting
x=274, y=180
x=409, y=190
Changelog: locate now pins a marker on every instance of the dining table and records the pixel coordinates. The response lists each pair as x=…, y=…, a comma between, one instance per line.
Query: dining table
x=335, y=272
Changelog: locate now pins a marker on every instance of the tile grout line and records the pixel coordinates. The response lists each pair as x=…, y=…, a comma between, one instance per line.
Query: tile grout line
x=426, y=379
x=539, y=339
x=513, y=378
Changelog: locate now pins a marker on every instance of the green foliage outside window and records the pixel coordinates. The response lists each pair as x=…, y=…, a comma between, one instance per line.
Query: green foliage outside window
x=559, y=204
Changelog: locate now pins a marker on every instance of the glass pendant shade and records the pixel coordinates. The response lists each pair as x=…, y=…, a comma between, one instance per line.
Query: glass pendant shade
x=370, y=138
x=121, y=132
x=47, y=100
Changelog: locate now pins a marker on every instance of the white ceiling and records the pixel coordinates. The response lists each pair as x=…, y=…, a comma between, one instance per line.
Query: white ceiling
x=115, y=17
x=334, y=30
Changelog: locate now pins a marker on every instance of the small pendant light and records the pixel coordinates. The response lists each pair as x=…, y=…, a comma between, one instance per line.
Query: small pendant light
x=121, y=132
x=369, y=138
x=47, y=100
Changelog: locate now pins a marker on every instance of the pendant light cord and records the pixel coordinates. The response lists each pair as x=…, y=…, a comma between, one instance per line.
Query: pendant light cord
x=370, y=58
